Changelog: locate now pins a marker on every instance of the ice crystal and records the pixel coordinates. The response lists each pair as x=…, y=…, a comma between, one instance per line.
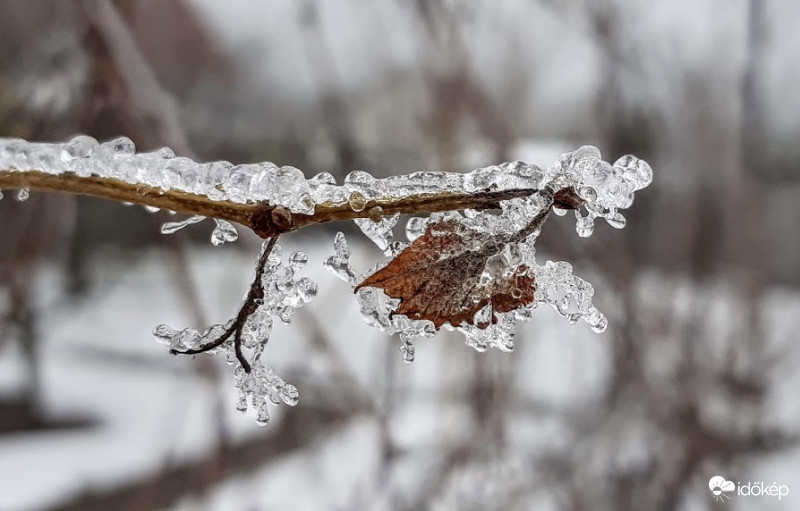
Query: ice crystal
x=339, y=263
x=118, y=159
x=594, y=189
x=223, y=232
x=604, y=190
x=283, y=295
x=377, y=309
x=378, y=228
x=171, y=227
x=604, y=187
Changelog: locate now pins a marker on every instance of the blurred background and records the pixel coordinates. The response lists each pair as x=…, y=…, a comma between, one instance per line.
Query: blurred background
x=694, y=378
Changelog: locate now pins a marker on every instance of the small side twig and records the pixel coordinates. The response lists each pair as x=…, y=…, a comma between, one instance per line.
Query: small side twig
x=251, y=304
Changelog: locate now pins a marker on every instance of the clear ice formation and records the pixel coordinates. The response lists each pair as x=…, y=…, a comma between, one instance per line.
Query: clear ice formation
x=604, y=188
x=283, y=295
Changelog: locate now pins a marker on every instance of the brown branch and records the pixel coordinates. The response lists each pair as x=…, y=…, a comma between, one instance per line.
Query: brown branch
x=251, y=303
x=264, y=219
x=114, y=189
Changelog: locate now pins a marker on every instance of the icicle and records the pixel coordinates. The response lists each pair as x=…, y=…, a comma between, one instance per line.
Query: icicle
x=172, y=227
x=283, y=296
x=407, y=349
x=339, y=263
x=380, y=231
x=224, y=232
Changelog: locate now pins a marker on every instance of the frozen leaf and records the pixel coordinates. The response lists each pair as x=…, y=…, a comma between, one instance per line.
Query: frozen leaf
x=451, y=273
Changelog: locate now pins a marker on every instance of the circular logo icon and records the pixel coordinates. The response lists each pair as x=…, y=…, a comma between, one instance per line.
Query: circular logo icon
x=719, y=486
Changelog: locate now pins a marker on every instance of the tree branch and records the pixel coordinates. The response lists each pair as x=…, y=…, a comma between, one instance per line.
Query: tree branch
x=264, y=219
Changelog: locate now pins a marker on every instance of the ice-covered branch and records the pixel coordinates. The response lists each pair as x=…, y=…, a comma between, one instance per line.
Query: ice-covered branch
x=268, y=199
x=461, y=268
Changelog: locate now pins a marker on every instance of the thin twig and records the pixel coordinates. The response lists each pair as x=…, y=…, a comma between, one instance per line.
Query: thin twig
x=250, y=305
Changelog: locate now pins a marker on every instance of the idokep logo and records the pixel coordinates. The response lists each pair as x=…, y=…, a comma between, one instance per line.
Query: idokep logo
x=723, y=489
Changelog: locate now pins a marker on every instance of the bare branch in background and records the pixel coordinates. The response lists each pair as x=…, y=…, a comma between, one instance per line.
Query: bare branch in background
x=152, y=109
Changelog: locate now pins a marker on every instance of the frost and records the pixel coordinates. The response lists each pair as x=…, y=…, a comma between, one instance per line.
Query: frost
x=283, y=295
x=357, y=201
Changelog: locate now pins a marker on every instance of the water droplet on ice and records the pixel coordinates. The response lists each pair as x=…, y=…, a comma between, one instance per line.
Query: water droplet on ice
x=376, y=214
x=587, y=193
x=408, y=350
x=241, y=403
x=289, y=395
x=224, y=232
x=357, y=202
x=616, y=220
x=262, y=418
x=298, y=259
x=415, y=227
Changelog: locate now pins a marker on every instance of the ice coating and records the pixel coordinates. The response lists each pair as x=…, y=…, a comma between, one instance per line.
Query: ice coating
x=251, y=182
x=605, y=189
x=378, y=228
x=117, y=159
x=284, y=294
x=568, y=294
x=224, y=232
x=220, y=181
x=173, y=227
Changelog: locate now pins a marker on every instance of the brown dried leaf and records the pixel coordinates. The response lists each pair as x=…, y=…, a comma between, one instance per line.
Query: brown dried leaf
x=438, y=277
